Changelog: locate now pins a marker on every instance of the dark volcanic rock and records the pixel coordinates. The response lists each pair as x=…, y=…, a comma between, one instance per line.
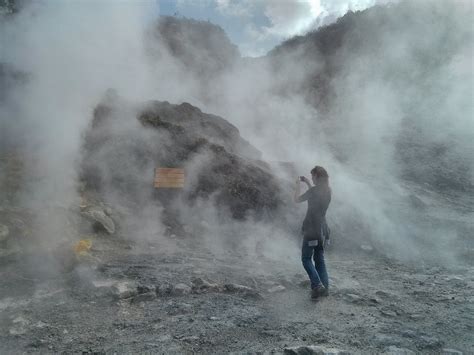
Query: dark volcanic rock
x=126, y=142
x=185, y=118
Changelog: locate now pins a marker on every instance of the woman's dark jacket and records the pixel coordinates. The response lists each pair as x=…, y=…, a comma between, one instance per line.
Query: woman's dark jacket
x=314, y=224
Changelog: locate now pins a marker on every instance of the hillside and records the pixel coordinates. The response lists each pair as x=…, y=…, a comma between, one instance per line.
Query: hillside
x=413, y=53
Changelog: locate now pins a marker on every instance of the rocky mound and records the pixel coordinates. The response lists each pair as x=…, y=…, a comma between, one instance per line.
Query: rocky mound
x=127, y=141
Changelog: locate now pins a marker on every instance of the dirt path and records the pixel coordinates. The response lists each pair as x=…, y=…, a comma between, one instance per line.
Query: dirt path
x=375, y=306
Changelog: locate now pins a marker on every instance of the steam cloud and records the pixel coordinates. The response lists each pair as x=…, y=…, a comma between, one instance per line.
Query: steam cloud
x=74, y=52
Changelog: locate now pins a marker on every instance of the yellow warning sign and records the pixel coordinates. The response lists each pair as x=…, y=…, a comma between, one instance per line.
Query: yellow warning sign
x=169, y=178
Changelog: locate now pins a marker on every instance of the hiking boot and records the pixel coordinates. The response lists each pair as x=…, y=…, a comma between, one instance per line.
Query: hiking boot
x=324, y=292
x=318, y=292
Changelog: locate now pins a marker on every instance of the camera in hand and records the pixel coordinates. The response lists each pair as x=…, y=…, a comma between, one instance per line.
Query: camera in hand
x=302, y=178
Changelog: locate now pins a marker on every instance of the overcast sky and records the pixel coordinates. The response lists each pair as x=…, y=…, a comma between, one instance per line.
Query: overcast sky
x=256, y=26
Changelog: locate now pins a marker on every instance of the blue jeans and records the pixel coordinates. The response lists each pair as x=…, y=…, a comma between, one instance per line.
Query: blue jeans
x=317, y=272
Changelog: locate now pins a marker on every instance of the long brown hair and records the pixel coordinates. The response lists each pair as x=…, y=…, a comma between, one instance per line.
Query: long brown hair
x=321, y=174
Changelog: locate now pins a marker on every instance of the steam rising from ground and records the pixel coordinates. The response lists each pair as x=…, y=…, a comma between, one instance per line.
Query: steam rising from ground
x=74, y=52
x=399, y=87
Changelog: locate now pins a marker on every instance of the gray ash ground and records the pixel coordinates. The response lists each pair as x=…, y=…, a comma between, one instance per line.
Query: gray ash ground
x=183, y=298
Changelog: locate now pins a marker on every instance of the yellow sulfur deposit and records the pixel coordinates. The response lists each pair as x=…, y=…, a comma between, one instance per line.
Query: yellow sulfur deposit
x=83, y=246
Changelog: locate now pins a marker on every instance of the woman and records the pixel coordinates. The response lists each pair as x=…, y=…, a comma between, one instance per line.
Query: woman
x=315, y=229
